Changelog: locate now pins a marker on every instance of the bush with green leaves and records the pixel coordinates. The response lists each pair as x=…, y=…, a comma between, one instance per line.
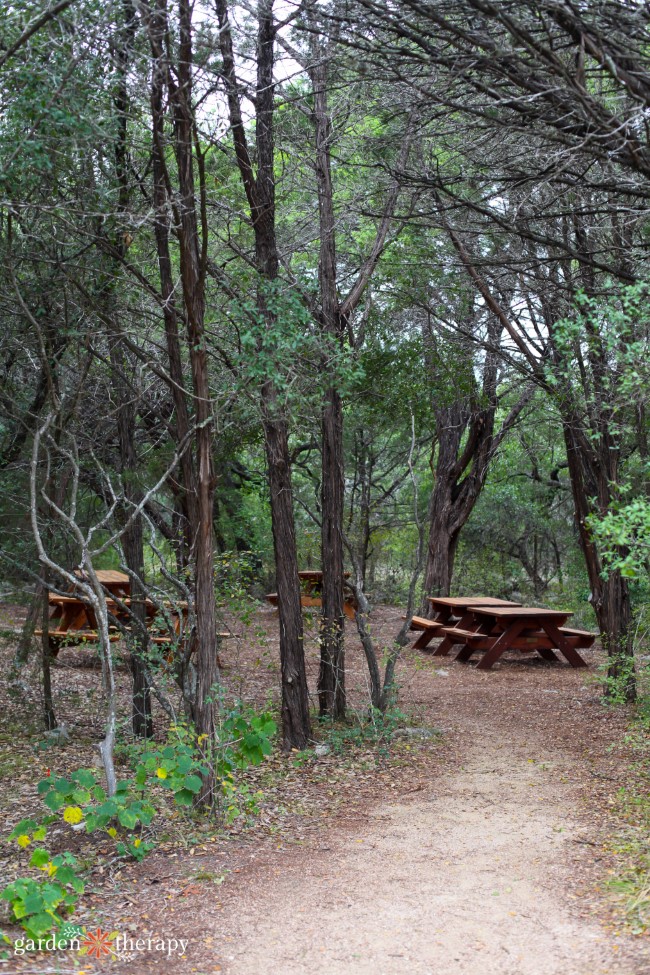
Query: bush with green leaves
x=39, y=904
x=244, y=738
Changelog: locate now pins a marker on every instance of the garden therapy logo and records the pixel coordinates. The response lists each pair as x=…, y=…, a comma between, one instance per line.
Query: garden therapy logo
x=99, y=944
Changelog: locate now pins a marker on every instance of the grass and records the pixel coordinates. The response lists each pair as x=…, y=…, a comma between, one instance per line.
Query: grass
x=631, y=846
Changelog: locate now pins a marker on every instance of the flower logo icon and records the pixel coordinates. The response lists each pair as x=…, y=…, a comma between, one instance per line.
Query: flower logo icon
x=98, y=943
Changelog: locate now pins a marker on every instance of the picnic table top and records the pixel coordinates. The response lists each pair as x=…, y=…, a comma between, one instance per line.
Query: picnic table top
x=527, y=612
x=315, y=574
x=107, y=575
x=456, y=602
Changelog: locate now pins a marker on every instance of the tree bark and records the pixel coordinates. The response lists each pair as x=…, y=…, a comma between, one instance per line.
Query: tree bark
x=260, y=193
x=592, y=473
x=331, y=677
x=196, y=492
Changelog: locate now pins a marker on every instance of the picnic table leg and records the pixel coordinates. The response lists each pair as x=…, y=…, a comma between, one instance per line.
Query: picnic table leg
x=447, y=643
x=424, y=639
x=501, y=644
x=548, y=655
x=465, y=653
x=563, y=645
x=465, y=622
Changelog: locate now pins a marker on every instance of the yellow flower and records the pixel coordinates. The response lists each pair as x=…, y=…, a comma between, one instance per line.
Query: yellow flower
x=112, y=832
x=73, y=815
x=137, y=842
x=23, y=840
x=161, y=773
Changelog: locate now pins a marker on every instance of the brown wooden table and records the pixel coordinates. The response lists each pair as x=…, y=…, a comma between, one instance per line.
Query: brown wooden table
x=311, y=593
x=449, y=609
x=74, y=621
x=495, y=629
x=71, y=621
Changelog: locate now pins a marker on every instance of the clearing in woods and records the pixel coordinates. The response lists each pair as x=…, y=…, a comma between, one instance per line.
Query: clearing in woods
x=482, y=852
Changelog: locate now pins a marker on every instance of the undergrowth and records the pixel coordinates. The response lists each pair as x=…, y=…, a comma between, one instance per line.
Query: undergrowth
x=631, y=847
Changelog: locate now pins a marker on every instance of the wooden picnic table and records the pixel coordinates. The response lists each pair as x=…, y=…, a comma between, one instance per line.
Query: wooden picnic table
x=449, y=610
x=311, y=592
x=495, y=629
x=73, y=620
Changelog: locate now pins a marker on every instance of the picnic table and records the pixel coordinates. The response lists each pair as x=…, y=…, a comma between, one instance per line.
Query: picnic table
x=449, y=610
x=74, y=621
x=71, y=620
x=311, y=592
x=495, y=629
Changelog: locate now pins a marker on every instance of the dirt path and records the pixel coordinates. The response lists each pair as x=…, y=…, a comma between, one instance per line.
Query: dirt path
x=475, y=877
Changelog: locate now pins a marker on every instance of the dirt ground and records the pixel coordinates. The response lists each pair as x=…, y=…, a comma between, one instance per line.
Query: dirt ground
x=481, y=851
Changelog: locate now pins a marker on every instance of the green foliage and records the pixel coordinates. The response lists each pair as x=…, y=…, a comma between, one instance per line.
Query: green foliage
x=175, y=768
x=615, y=687
x=375, y=729
x=278, y=343
x=623, y=535
x=630, y=882
x=40, y=905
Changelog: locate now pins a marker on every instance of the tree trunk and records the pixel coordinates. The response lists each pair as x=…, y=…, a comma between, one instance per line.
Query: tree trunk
x=591, y=473
x=296, y=727
x=456, y=489
x=49, y=716
x=24, y=645
x=196, y=492
x=331, y=678
x=260, y=193
x=126, y=414
x=192, y=268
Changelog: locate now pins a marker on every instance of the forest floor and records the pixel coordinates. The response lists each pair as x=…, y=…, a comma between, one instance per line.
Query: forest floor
x=486, y=849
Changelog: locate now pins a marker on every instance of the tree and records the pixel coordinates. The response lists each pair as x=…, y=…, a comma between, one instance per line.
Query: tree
x=259, y=187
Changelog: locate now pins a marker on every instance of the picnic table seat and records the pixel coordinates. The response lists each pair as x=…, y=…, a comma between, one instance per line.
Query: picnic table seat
x=583, y=638
x=430, y=628
x=58, y=637
x=527, y=641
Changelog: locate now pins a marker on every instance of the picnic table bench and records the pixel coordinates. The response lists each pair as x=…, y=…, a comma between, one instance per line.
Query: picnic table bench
x=430, y=628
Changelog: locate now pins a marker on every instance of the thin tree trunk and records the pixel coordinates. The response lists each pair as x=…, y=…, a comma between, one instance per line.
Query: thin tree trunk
x=126, y=414
x=331, y=677
x=49, y=716
x=296, y=727
x=26, y=640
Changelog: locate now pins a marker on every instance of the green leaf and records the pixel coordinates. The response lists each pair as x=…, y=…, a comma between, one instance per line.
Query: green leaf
x=85, y=778
x=54, y=800
x=127, y=818
x=192, y=783
x=24, y=826
x=81, y=796
x=34, y=902
x=39, y=858
x=184, y=797
x=41, y=923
